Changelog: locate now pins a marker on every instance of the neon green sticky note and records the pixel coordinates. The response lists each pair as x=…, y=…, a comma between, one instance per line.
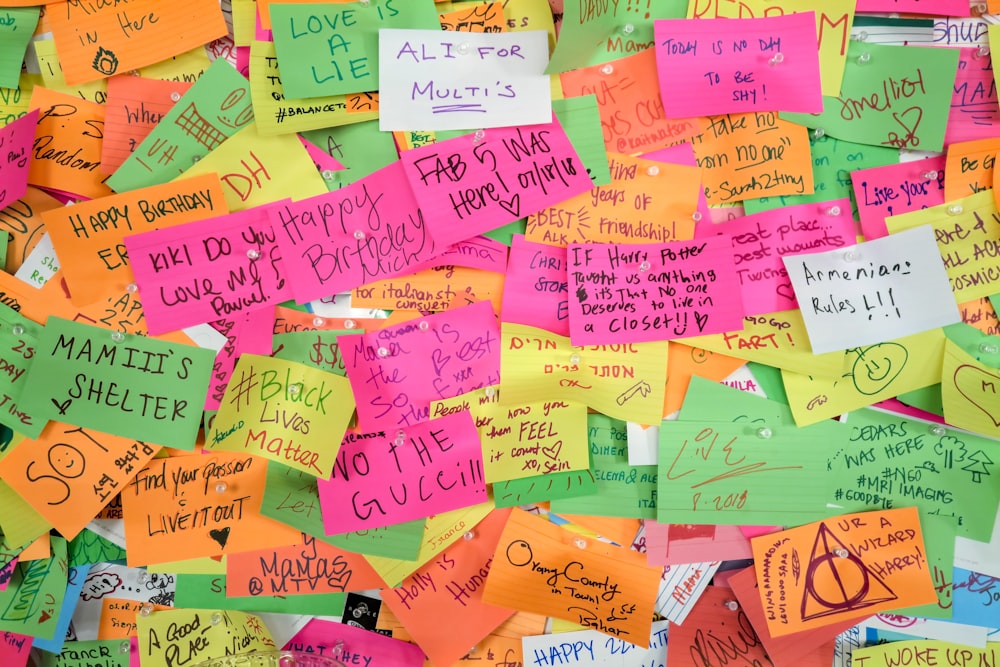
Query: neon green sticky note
x=19, y=341
x=543, y=488
x=208, y=591
x=581, y=120
x=939, y=538
x=17, y=25
x=895, y=96
x=31, y=602
x=103, y=652
x=360, y=147
x=624, y=42
x=332, y=49
x=317, y=348
x=89, y=548
x=127, y=385
x=19, y=521
x=14, y=100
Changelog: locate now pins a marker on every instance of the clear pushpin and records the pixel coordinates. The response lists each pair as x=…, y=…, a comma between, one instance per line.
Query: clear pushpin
x=117, y=336
x=862, y=36
x=400, y=438
x=833, y=210
x=608, y=69
x=776, y=59
x=359, y=235
x=864, y=58
x=424, y=326
x=574, y=358
x=653, y=171
x=348, y=324
x=937, y=430
x=142, y=577
x=146, y=609
x=318, y=321
x=628, y=28
x=175, y=96
x=338, y=648
x=696, y=216
x=195, y=158
x=979, y=9
x=850, y=256
x=468, y=535
x=294, y=390
x=253, y=254
x=982, y=52
x=364, y=3
x=220, y=487
x=490, y=392
x=327, y=174
x=463, y=48
x=383, y=352
x=580, y=543
x=988, y=348
x=819, y=133
x=215, y=619
x=841, y=552
x=131, y=288
x=478, y=135
x=644, y=266
x=955, y=209
x=124, y=648
x=764, y=432
x=930, y=175
x=732, y=605
x=17, y=329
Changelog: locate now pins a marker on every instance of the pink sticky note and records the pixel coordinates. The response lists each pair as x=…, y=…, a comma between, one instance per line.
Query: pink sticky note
x=14, y=649
x=477, y=182
x=360, y=646
x=634, y=293
x=15, y=157
x=246, y=333
x=894, y=189
x=939, y=8
x=974, y=112
x=759, y=240
x=370, y=230
x=323, y=160
x=202, y=271
x=396, y=372
x=536, y=289
x=718, y=66
x=480, y=252
x=6, y=572
x=726, y=543
x=404, y=474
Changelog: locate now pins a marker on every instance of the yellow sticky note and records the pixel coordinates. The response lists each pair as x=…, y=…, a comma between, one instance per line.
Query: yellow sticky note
x=244, y=21
x=930, y=652
x=440, y=531
x=187, y=66
x=871, y=374
x=285, y=411
x=256, y=169
x=20, y=522
x=833, y=26
x=970, y=391
x=190, y=636
x=625, y=381
x=968, y=235
x=524, y=440
x=52, y=75
x=778, y=340
x=14, y=101
x=993, y=34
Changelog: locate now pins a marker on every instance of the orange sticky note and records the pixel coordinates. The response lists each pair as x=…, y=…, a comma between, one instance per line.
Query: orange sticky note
x=980, y=314
x=69, y=473
x=545, y=569
x=968, y=168
x=100, y=39
x=196, y=506
x=480, y=18
x=67, y=152
x=842, y=568
x=430, y=290
x=89, y=236
x=451, y=587
x=22, y=219
x=309, y=567
x=135, y=105
x=684, y=361
x=118, y=617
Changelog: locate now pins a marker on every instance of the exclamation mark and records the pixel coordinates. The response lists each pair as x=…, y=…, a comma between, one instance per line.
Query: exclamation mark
x=790, y=339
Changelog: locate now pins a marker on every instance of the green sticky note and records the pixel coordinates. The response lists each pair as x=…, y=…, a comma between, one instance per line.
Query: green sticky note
x=332, y=49
x=769, y=379
x=894, y=96
x=292, y=497
x=939, y=539
x=581, y=121
x=17, y=25
x=318, y=349
x=505, y=234
x=30, y=604
x=360, y=147
x=898, y=461
x=5, y=239
x=135, y=387
x=89, y=548
x=623, y=491
x=927, y=399
x=103, y=652
x=543, y=488
x=712, y=401
x=639, y=16
x=208, y=591
x=744, y=472
x=215, y=108
x=19, y=341
x=833, y=161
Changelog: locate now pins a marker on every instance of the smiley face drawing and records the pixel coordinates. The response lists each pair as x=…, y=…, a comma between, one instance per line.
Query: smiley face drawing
x=877, y=366
x=67, y=461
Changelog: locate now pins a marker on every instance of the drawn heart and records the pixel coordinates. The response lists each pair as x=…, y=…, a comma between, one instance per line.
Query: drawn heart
x=513, y=206
x=979, y=388
x=220, y=536
x=785, y=291
x=440, y=361
x=553, y=451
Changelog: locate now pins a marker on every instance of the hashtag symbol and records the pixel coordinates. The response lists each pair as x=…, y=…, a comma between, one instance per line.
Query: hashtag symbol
x=861, y=481
x=887, y=474
x=838, y=495
x=248, y=380
x=280, y=114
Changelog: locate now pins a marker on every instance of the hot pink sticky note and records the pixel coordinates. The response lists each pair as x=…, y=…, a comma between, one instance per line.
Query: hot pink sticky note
x=894, y=189
x=974, y=112
x=939, y=8
x=759, y=241
x=6, y=572
x=14, y=649
x=202, y=271
x=480, y=252
x=404, y=474
x=360, y=647
x=247, y=333
x=536, y=289
x=370, y=230
x=725, y=543
x=717, y=66
x=471, y=184
x=15, y=157
x=396, y=372
x=634, y=293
